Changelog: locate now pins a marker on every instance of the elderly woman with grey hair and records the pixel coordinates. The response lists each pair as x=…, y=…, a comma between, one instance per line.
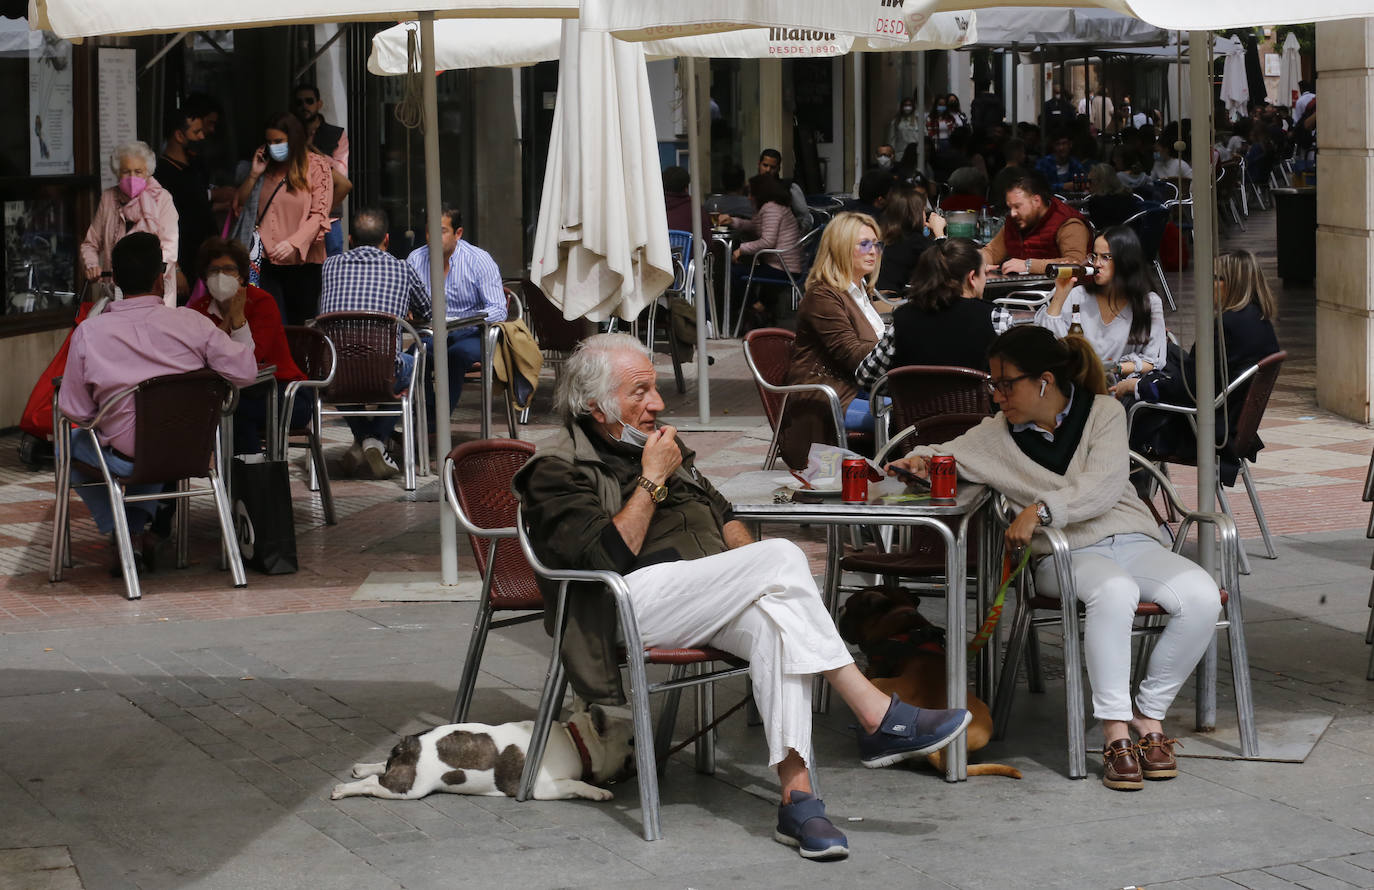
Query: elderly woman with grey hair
x=613, y=490
x=135, y=203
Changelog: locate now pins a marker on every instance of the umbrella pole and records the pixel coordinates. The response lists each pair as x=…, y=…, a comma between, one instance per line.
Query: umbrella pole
x=448, y=528
x=922, y=109
x=859, y=116
x=1204, y=214
x=698, y=256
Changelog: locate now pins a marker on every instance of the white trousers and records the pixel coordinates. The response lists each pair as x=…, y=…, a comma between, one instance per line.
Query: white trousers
x=757, y=602
x=1112, y=577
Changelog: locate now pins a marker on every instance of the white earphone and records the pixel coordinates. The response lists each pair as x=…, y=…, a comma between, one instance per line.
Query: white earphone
x=1042, y=388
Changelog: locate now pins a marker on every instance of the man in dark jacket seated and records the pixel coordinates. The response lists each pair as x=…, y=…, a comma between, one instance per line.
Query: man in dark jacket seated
x=613, y=491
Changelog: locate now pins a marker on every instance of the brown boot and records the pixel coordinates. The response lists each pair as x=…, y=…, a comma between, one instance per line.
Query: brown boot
x=1156, y=756
x=1120, y=768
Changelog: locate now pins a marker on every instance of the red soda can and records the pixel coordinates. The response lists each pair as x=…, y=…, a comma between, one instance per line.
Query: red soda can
x=943, y=476
x=854, y=480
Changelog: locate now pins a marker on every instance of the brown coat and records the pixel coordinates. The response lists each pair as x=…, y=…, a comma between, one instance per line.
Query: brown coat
x=832, y=338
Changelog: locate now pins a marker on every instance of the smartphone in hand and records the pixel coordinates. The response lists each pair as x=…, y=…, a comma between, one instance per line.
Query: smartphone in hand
x=909, y=477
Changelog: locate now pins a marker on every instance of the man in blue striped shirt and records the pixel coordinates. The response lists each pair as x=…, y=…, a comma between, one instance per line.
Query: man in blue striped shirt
x=472, y=286
x=369, y=279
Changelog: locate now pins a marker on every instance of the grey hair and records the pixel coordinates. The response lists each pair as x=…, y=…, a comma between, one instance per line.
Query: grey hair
x=589, y=380
x=137, y=148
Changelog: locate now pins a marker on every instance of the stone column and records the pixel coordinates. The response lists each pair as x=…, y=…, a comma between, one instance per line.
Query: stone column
x=773, y=129
x=1345, y=217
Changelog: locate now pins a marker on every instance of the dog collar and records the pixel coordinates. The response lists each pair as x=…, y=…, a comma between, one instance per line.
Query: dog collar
x=583, y=754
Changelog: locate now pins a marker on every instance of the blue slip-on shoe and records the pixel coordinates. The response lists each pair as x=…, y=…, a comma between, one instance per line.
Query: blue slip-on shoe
x=803, y=824
x=908, y=731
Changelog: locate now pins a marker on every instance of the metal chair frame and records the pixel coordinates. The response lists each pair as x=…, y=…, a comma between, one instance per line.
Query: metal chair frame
x=410, y=402
x=791, y=278
x=494, y=537
x=1024, y=624
x=767, y=387
x=1154, y=259
x=60, y=554
x=1190, y=412
x=311, y=388
x=649, y=747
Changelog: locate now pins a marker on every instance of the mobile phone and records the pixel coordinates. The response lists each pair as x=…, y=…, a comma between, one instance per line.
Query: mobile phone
x=909, y=477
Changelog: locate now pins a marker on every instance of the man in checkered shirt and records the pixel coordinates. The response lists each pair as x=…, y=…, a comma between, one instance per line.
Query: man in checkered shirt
x=367, y=278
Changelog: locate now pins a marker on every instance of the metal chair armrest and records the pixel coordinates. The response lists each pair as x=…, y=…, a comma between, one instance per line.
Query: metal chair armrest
x=1039, y=298
x=464, y=522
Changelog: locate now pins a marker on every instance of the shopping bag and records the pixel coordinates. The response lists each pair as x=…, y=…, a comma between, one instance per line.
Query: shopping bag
x=263, y=521
x=37, y=417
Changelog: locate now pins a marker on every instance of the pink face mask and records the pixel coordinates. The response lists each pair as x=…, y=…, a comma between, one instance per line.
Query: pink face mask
x=133, y=186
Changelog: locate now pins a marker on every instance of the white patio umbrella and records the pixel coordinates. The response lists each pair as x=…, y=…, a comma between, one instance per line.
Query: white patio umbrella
x=73, y=19
x=516, y=42
x=601, y=246
x=1290, y=70
x=1235, y=88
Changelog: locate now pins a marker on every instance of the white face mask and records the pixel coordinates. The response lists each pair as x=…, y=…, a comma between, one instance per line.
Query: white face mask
x=222, y=286
x=633, y=436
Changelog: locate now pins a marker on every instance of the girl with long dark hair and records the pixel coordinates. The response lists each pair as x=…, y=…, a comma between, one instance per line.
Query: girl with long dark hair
x=908, y=229
x=1057, y=450
x=1121, y=316
x=287, y=197
x=944, y=322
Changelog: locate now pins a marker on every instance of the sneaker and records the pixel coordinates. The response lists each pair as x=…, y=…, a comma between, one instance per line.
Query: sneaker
x=803, y=824
x=378, y=461
x=352, y=459
x=908, y=731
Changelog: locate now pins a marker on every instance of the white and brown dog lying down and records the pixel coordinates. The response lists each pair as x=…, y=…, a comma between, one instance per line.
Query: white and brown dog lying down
x=906, y=655
x=589, y=750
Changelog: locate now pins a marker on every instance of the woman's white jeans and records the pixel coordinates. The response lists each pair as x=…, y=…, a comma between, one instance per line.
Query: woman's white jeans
x=758, y=602
x=1112, y=577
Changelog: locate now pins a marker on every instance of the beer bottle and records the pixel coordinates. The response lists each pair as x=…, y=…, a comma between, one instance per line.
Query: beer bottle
x=1069, y=270
x=1075, y=325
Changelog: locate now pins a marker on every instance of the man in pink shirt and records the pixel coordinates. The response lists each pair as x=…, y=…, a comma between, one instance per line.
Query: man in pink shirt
x=133, y=340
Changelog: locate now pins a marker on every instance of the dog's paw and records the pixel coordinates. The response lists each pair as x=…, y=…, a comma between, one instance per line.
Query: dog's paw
x=600, y=794
x=361, y=771
x=339, y=792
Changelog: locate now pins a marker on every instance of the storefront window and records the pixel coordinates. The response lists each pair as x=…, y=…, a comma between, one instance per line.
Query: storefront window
x=38, y=189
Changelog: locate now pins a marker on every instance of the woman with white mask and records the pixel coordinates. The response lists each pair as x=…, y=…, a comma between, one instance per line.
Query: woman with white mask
x=231, y=302
x=135, y=203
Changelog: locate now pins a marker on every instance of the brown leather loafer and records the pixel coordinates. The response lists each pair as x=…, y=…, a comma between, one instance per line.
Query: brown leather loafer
x=1120, y=768
x=1156, y=755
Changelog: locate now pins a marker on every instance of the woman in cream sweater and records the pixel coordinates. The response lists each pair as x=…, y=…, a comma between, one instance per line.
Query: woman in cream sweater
x=1057, y=450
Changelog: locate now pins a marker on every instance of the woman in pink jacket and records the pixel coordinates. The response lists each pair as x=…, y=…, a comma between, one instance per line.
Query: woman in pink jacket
x=136, y=204
x=287, y=194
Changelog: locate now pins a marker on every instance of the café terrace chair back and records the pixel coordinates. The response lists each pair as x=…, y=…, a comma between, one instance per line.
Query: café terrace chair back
x=930, y=404
x=1065, y=611
x=176, y=425
x=768, y=353
x=1257, y=382
x=366, y=345
x=650, y=747
x=1149, y=224
x=314, y=354
x=477, y=479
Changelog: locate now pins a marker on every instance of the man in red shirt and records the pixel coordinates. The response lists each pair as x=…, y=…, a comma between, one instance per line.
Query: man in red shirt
x=1040, y=230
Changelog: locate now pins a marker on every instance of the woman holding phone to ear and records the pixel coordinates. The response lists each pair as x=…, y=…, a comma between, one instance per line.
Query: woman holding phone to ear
x=1057, y=450
x=287, y=196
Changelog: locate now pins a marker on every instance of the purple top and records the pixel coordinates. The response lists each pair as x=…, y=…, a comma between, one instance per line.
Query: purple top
x=137, y=338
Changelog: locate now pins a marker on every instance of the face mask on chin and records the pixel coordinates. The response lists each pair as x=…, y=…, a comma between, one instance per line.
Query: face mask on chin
x=631, y=435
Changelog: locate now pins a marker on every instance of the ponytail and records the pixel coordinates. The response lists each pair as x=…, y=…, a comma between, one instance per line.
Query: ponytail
x=1084, y=367
x=1035, y=350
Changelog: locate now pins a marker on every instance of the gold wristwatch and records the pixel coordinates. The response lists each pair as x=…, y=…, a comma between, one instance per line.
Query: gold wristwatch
x=659, y=493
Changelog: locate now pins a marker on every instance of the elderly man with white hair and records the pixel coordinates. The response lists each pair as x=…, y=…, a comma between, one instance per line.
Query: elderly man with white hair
x=614, y=491
x=135, y=203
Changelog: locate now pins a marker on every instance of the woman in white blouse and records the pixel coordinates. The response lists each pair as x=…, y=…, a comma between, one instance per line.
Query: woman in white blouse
x=1120, y=315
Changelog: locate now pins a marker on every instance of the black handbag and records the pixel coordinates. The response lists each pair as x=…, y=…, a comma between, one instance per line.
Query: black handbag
x=263, y=520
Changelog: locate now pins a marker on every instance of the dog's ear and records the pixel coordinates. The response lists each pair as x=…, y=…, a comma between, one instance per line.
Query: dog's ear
x=598, y=719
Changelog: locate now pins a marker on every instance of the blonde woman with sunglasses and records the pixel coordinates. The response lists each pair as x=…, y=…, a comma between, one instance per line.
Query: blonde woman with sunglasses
x=837, y=326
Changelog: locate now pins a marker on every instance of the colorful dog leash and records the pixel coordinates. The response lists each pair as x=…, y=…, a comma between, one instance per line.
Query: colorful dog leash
x=984, y=634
